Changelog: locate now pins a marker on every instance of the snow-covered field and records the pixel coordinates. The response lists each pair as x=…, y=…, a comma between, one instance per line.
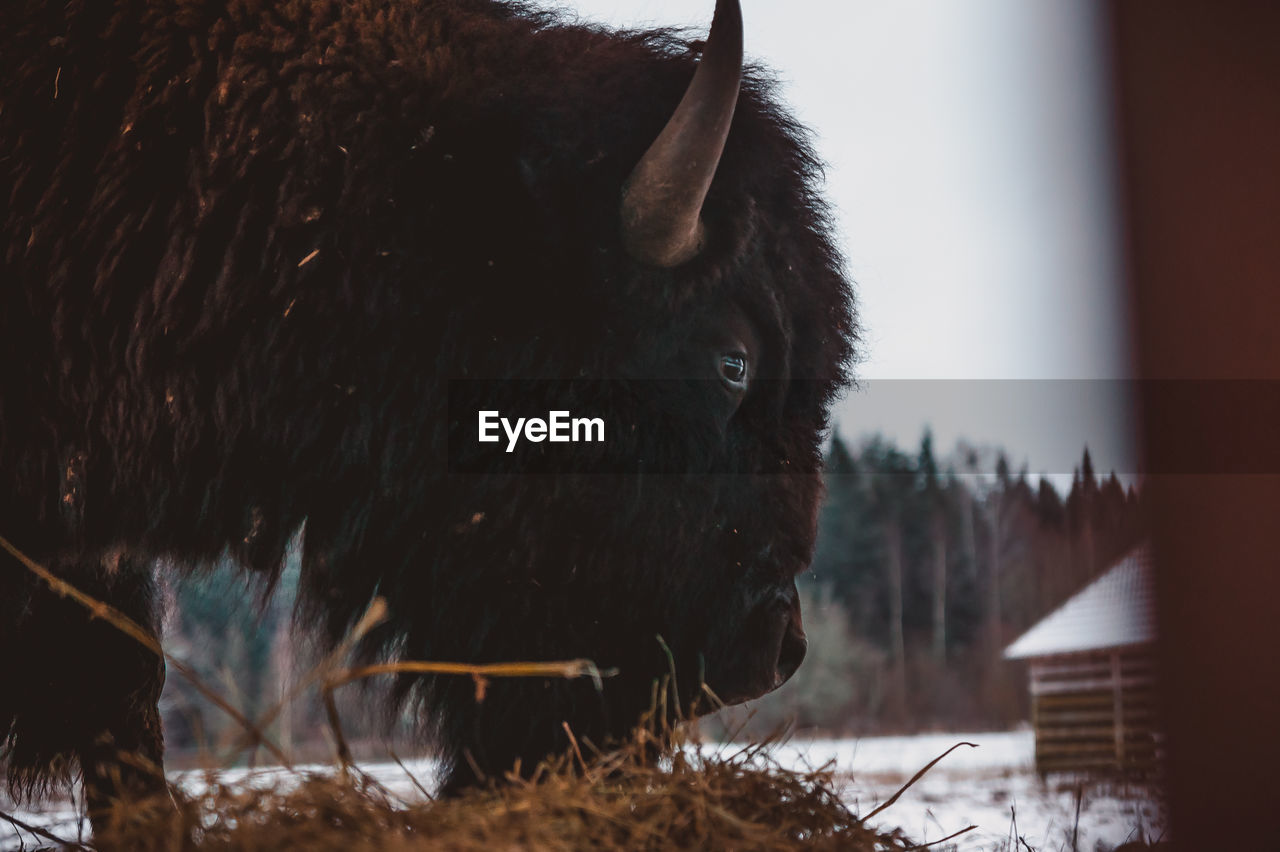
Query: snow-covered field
x=989, y=786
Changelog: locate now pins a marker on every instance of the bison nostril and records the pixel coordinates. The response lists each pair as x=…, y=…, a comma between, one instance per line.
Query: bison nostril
x=791, y=654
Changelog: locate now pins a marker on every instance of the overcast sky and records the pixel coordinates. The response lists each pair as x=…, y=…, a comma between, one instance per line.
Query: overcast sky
x=968, y=162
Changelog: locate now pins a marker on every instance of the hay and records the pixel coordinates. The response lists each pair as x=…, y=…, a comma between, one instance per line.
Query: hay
x=693, y=799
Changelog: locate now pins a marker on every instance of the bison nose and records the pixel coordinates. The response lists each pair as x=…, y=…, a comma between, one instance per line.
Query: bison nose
x=794, y=643
x=791, y=654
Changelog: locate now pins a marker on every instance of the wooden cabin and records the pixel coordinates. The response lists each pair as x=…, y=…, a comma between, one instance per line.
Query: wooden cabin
x=1093, y=675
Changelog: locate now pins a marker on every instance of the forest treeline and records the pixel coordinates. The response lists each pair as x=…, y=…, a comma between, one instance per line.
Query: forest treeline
x=925, y=568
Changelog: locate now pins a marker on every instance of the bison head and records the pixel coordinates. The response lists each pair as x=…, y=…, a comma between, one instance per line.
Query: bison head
x=687, y=293
x=761, y=641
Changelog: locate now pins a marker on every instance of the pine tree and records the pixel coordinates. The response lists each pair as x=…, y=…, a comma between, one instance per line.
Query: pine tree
x=1089, y=493
x=935, y=513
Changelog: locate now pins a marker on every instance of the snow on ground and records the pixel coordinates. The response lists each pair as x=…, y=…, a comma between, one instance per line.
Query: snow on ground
x=988, y=786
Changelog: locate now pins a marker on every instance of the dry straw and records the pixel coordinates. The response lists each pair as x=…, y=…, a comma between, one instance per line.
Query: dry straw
x=611, y=800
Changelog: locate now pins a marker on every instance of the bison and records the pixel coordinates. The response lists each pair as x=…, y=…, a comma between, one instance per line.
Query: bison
x=258, y=257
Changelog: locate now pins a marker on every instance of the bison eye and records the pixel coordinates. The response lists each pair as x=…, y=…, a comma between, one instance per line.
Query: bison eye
x=733, y=370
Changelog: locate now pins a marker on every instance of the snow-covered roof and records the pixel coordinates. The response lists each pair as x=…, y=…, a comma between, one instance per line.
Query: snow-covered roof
x=1115, y=610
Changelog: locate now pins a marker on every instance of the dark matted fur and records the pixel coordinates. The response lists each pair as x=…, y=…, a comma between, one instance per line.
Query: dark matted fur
x=245, y=245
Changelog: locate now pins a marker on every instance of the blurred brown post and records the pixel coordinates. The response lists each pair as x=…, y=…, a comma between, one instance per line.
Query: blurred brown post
x=1197, y=88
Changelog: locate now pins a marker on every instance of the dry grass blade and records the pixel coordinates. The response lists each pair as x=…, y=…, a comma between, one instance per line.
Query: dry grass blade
x=915, y=778
x=418, y=785
x=106, y=612
x=335, y=727
x=564, y=668
x=479, y=672
x=135, y=631
x=374, y=615
x=952, y=836
x=37, y=831
x=573, y=742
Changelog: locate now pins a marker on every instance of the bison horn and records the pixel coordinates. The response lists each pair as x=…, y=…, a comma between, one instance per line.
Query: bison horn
x=662, y=199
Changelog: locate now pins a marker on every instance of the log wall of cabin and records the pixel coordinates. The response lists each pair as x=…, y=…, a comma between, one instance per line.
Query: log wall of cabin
x=1096, y=711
